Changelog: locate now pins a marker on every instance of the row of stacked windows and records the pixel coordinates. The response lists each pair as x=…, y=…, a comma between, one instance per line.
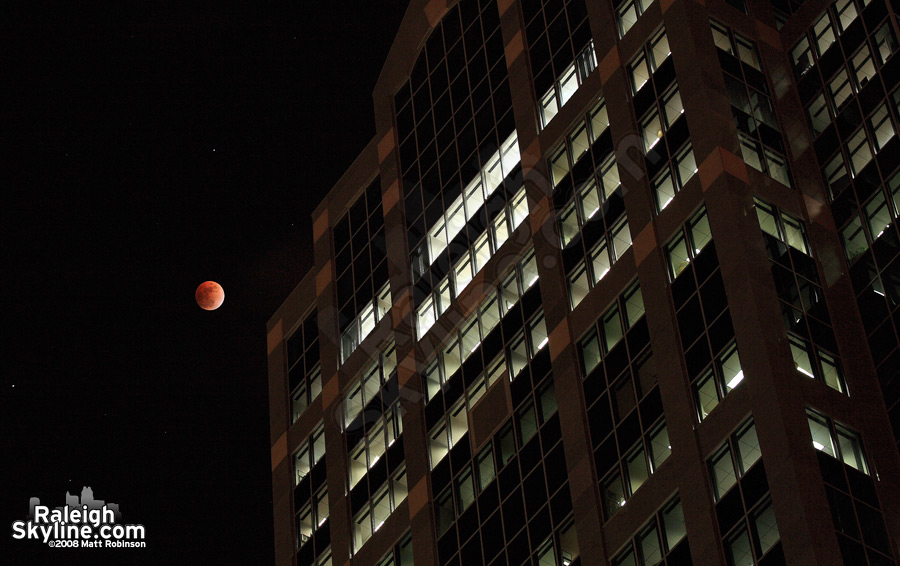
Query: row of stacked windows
x=361, y=272
x=560, y=51
x=303, y=365
x=801, y=298
x=850, y=489
x=759, y=135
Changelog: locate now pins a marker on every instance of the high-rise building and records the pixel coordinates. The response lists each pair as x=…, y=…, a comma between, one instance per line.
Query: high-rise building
x=614, y=283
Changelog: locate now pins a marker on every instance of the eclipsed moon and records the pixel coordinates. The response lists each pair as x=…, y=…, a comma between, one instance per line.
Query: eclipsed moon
x=209, y=295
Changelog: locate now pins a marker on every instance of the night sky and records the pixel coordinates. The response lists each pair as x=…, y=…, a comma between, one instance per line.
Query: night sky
x=150, y=147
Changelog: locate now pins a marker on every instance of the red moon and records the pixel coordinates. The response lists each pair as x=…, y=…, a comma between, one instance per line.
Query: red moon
x=210, y=295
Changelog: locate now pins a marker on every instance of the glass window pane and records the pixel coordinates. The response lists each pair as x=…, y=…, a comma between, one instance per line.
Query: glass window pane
x=549, y=106
x=795, y=233
x=700, y=232
x=640, y=73
x=664, y=189
x=600, y=261
x=568, y=544
x=634, y=305
x=824, y=33
x=485, y=463
x=802, y=359
x=677, y=256
x=519, y=207
x=527, y=421
x=459, y=422
x=590, y=353
x=627, y=15
x=673, y=522
x=621, y=237
x=878, y=215
x=528, y=265
x=610, y=175
x=840, y=89
x=559, y=165
x=613, y=494
x=821, y=435
x=686, y=165
x=518, y=357
x=438, y=444
x=817, y=112
x=854, y=239
x=748, y=446
x=706, y=394
x=673, y=105
x=659, y=48
x=432, y=379
x=444, y=510
x=612, y=328
x=568, y=224
x=589, y=200
x=399, y=487
x=651, y=131
x=599, y=120
x=547, y=397
x=722, y=470
x=578, y=141
x=831, y=372
x=659, y=445
x=637, y=470
x=651, y=549
x=738, y=549
x=851, y=448
x=578, y=284
x=465, y=489
x=730, y=366
x=881, y=126
x=766, y=528
x=568, y=84
x=539, y=338
x=381, y=507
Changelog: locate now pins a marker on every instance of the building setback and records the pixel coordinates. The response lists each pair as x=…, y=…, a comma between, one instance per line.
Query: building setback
x=612, y=284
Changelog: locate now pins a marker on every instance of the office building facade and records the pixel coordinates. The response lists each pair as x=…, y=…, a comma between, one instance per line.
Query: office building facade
x=613, y=283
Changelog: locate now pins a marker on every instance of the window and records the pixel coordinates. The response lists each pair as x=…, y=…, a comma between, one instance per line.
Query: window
x=782, y=226
x=655, y=540
x=816, y=363
x=802, y=58
x=653, y=55
x=687, y=244
x=309, y=454
x=840, y=89
x=734, y=459
x=567, y=83
x=628, y=13
x=882, y=128
x=863, y=65
x=716, y=382
x=817, y=112
x=837, y=440
x=823, y=33
x=751, y=540
x=885, y=43
x=448, y=432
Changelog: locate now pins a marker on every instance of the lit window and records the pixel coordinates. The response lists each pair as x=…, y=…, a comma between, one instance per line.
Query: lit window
x=881, y=125
x=802, y=57
x=824, y=33
x=817, y=112
x=859, y=151
x=840, y=89
x=863, y=65
x=640, y=73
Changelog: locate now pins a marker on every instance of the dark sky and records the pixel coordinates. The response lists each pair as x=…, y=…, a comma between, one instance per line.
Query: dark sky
x=149, y=147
